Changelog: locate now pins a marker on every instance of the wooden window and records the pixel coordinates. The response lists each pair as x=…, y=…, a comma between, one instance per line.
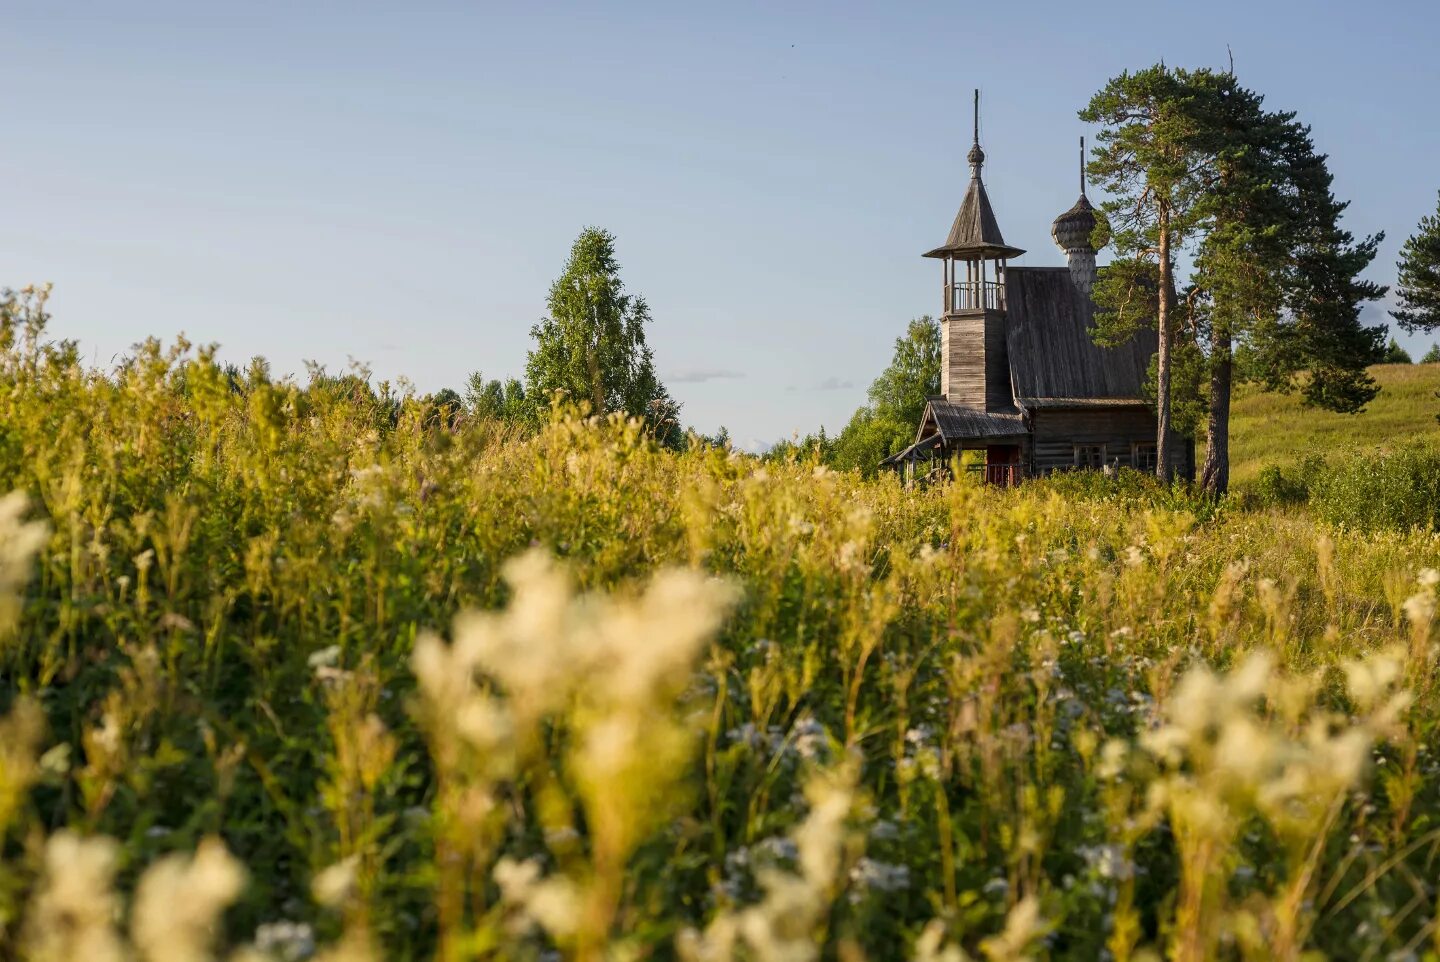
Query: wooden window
x=1142, y=456
x=1090, y=456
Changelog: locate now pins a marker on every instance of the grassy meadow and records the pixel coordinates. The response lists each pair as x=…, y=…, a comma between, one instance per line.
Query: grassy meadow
x=1276, y=429
x=320, y=672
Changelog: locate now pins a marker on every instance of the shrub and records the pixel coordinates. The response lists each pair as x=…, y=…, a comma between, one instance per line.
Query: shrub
x=1278, y=487
x=1127, y=485
x=1396, y=489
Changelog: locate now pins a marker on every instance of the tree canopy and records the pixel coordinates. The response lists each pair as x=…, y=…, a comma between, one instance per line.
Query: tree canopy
x=1395, y=354
x=592, y=347
x=503, y=401
x=1150, y=155
x=896, y=399
x=1198, y=167
x=1418, y=289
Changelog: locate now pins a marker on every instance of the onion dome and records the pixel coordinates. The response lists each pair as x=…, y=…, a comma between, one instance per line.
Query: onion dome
x=1072, y=230
x=976, y=157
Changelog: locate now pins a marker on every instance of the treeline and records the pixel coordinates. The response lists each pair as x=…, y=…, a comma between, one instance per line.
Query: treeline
x=1395, y=354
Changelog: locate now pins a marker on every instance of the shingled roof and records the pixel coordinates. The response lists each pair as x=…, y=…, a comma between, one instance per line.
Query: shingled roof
x=954, y=422
x=975, y=232
x=1054, y=362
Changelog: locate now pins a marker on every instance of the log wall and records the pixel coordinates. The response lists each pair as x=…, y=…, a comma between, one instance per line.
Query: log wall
x=1119, y=430
x=975, y=367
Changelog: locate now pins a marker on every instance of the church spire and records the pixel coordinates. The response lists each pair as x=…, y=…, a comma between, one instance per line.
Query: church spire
x=975, y=233
x=976, y=155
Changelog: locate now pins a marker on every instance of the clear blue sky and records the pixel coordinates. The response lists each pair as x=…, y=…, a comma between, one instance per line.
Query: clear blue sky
x=400, y=183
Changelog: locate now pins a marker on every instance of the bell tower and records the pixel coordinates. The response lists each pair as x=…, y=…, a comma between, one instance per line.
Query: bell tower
x=975, y=371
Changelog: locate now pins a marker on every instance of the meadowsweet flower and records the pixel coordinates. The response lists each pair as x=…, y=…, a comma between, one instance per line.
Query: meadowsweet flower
x=781, y=926
x=931, y=946
x=1419, y=608
x=333, y=884
x=20, y=541
x=1370, y=679
x=325, y=657
x=1023, y=926
x=72, y=913
x=179, y=900
x=549, y=902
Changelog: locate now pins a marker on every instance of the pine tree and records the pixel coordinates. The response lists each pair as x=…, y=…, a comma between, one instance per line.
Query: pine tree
x=1432, y=356
x=1395, y=354
x=1419, y=277
x=1147, y=156
x=1275, y=272
x=1197, y=166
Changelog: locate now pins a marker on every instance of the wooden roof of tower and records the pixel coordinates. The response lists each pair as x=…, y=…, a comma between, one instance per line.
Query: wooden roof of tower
x=975, y=233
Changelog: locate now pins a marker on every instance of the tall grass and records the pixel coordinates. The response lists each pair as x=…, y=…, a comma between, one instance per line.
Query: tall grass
x=309, y=671
x=1277, y=430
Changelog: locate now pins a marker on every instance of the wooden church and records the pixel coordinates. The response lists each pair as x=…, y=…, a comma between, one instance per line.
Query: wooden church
x=1021, y=379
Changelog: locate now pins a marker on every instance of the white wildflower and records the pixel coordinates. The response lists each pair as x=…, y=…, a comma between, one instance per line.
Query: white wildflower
x=1023, y=926
x=931, y=946
x=333, y=884
x=325, y=657
x=179, y=900
x=551, y=903
x=71, y=915
x=285, y=941
x=1419, y=608
x=20, y=541
x=1370, y=679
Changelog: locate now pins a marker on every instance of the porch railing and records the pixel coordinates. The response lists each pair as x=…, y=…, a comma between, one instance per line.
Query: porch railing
x=1004, y=475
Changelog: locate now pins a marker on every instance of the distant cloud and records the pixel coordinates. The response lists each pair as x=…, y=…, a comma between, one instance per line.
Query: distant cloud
x=835, y=384
x=700, y=375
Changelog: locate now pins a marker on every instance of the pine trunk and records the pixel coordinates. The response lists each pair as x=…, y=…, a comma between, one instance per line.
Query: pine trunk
x=1164, y=436
x=1215, y=478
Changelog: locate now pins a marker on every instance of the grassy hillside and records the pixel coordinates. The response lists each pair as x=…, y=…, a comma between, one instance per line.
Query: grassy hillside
x=1278, y=429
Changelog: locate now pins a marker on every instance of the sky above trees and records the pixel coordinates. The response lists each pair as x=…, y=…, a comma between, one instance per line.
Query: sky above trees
x=347, y=181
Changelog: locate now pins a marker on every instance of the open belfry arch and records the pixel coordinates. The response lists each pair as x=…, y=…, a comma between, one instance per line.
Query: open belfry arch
x=1022, y=382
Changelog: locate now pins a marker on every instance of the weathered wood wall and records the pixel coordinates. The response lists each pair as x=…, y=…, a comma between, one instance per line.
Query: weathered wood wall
x=1056, y=432
x=976, y=366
